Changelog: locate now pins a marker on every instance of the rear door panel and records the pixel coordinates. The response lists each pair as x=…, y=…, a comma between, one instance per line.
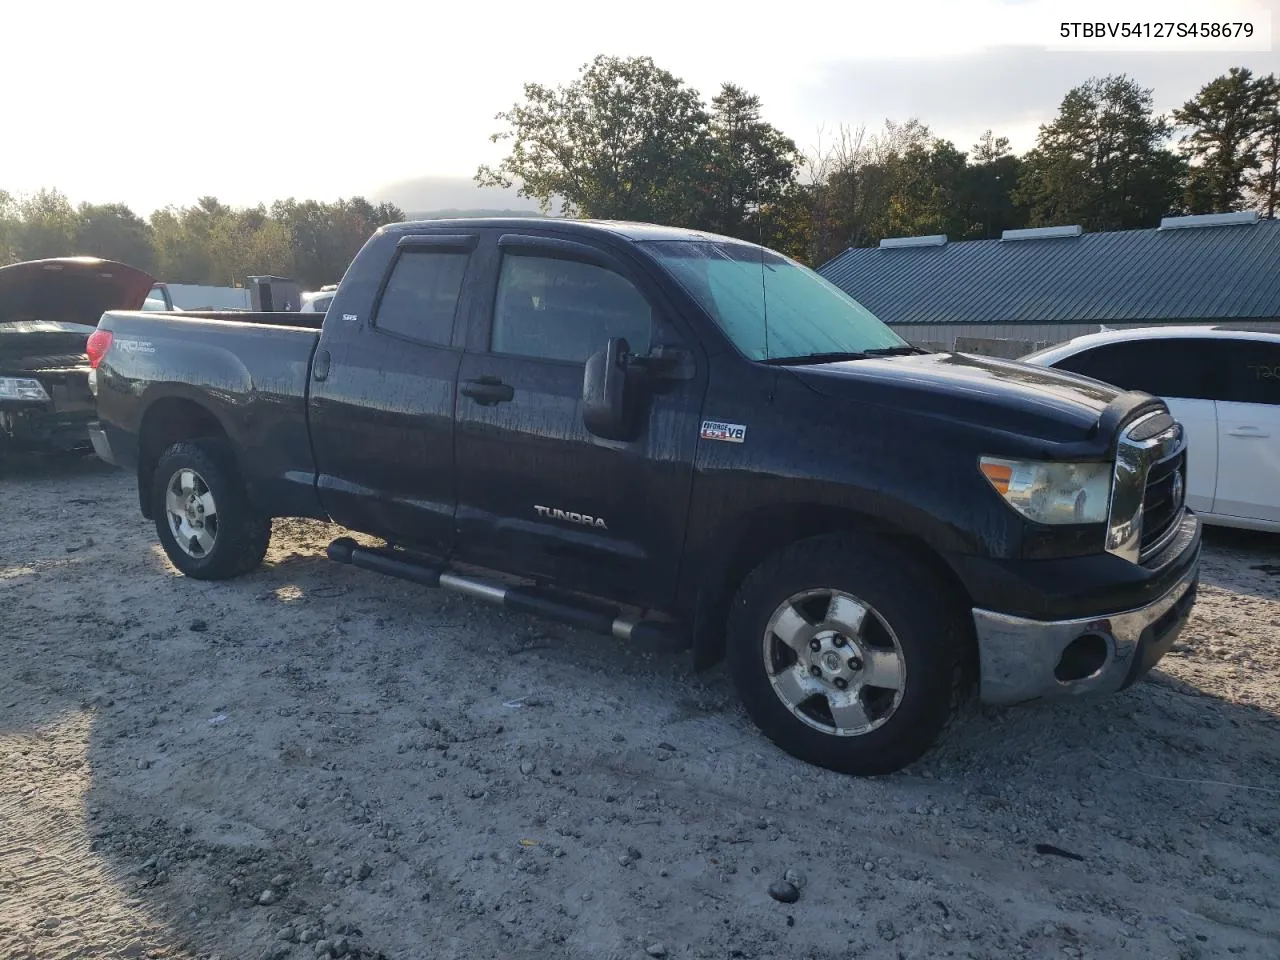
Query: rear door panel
x=1249, y=434
x=383, y=392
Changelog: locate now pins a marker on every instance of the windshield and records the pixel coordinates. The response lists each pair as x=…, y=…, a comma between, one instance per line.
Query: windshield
x=742, y=285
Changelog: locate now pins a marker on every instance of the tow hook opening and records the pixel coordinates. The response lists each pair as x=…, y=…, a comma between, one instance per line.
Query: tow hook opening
x=1083, y=657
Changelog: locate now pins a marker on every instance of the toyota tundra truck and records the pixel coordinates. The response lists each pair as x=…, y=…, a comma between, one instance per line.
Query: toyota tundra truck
x=665, y=435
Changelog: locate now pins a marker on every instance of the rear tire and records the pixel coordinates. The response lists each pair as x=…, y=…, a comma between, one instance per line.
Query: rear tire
x=849, y=653
x=203, y=516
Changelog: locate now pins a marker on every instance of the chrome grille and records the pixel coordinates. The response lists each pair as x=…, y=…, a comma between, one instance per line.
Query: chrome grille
x=1148, y=487
x=1162, y=502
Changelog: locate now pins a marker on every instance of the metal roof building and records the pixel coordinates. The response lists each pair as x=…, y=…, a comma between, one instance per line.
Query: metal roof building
x=1049, y=284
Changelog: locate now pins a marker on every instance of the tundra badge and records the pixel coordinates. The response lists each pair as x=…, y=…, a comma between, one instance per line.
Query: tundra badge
x=572, y=516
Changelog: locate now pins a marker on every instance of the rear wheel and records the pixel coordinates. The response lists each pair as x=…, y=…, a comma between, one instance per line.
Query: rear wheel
x=203, y=517
x=848, y=653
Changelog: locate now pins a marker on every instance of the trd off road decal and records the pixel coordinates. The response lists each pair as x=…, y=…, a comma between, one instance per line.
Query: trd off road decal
x=728, y=432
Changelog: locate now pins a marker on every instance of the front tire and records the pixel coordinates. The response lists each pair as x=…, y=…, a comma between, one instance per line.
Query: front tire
x=203, y=516
x=848, y=653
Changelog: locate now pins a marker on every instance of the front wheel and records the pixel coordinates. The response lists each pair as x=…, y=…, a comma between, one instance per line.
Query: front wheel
x=203, y=517
x=848, y=653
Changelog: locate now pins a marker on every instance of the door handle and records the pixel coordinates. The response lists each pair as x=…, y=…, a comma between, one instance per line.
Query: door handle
x=1248, y=432
x=320, y=365
x=487, y=391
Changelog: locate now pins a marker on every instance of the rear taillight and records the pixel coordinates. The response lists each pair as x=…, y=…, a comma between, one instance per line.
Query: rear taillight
x=96, y=347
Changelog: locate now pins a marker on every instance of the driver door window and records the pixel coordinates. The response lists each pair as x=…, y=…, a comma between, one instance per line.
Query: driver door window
x=565, y=310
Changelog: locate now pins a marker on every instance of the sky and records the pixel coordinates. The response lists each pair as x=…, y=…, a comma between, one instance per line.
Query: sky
x=157, y=102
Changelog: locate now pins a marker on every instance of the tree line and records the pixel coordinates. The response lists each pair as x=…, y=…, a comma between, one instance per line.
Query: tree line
x=629, y=140
x=208, y=242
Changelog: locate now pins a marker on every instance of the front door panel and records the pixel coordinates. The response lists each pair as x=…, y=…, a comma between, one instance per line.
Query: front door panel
x=1200, y=420
x=538, y=494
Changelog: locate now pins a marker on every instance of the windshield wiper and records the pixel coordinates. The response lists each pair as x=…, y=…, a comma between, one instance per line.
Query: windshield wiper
x=818, y=358
x=894, y=351
x=838, y=355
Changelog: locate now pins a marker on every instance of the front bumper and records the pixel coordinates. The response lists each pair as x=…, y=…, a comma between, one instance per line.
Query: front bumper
x=1023, y=659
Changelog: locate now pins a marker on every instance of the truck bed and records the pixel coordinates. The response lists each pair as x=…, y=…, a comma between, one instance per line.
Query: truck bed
x=279, y=318
x=250, y=370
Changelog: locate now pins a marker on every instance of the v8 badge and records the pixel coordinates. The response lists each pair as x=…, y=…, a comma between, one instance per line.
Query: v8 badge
x=728, y=432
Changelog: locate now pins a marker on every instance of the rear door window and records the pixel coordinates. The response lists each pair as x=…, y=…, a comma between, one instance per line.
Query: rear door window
x=421, y=296
x=1253, y=372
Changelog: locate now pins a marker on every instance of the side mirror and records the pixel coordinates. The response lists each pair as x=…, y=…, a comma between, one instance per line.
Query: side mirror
x=608, y=399
x=664, y=362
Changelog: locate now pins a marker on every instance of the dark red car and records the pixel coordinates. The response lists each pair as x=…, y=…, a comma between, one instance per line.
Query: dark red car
x=48, y=308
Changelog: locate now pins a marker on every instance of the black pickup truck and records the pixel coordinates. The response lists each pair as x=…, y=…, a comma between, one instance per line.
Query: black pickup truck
x=665, y=434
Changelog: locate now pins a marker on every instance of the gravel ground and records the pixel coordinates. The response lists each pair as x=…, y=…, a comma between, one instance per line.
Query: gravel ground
x=315, y=761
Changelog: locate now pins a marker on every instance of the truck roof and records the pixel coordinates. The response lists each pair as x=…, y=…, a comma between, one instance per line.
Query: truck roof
x=625, y=229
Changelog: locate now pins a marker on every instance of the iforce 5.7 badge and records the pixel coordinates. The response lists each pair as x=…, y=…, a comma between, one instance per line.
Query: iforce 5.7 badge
x=728, y=432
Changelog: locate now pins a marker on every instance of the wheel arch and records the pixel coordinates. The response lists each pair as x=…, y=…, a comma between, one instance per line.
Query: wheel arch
x=167, y=421
x=765, y=532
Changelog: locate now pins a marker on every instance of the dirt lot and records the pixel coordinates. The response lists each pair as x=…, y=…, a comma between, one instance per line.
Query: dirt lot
x=317, y=761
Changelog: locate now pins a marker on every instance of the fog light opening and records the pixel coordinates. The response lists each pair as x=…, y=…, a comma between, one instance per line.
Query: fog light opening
x=1083, y=657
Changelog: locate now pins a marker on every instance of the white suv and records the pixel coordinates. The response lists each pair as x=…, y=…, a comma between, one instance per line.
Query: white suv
x=1223, y=384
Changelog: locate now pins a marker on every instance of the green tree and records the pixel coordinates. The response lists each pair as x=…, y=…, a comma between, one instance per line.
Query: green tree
x=248, y=242
x=928, y=183
x=892, y=167
x=47, y=226
x=114, y=232
x=854, y=181
x=625, y=140
x=9, y=225
x=1224, y=122
x=751, y=163
x=987, y=204
x=1264, y=182
x=1103, y=162
x=325, y=237
x=184, y=241
x=833, y=201
x=990, y=148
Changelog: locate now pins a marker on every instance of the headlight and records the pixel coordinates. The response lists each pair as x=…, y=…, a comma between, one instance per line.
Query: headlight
x=22, y=388
x=1052, y=492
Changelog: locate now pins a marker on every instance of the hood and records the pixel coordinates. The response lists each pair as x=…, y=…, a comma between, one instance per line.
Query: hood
x=984, y=391
x=48, y=308
x=70, y=290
